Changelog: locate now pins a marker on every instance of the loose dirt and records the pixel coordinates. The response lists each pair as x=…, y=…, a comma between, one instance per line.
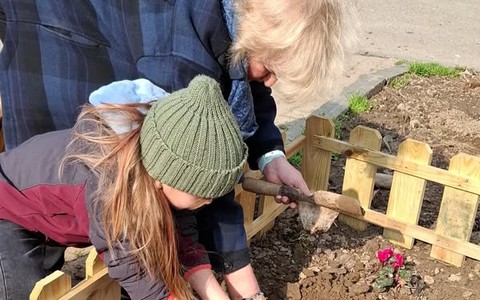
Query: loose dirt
x=293, y=264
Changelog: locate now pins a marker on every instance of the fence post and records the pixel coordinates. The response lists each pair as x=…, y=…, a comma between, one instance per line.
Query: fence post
x=458, y=209
x=406, y=193
x=316, y=171
x=316, y=162
x=359, y=178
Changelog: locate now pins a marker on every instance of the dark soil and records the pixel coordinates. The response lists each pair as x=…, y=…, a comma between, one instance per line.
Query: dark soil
x=291, y=263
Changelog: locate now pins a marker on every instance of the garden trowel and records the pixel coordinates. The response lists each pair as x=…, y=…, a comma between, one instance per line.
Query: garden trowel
x=317, y=212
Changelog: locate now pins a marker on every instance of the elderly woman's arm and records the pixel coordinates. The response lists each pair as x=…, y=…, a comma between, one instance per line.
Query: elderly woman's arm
x=268, y=138
x=242, y=284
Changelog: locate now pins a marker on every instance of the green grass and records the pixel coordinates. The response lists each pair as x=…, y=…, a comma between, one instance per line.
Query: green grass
x=358, y=104
x=335, y=156
x=337, y=122
x=432, y=69
x=296, y=159
x=400, y=82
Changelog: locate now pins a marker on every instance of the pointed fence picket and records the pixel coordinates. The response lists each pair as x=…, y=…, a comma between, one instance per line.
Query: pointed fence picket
x=459, y=205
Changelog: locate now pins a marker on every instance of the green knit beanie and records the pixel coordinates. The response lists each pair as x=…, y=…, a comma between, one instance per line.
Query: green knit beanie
x=190, y=141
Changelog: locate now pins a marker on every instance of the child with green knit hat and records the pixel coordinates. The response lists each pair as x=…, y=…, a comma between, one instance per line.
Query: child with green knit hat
x=126, y=179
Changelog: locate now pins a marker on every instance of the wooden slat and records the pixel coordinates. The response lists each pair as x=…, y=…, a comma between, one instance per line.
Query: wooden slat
x=316, y=162
x=98, y=287
x=359, y=178
x=260, y=222
x=388, y=161
x=295, y=146
x=51, y=287
x=423, y=234
x=247, y=201
x=93, y=264
x=268, y=206
x=458, y=209
x=316, y=171
x=406, y=193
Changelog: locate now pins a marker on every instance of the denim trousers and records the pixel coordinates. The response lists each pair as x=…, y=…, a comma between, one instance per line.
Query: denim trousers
x=24, y=259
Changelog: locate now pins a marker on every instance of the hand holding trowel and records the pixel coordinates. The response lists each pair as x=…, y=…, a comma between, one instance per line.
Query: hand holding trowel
x=317, y=212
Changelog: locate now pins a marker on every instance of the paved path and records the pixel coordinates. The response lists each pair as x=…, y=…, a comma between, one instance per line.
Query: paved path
x=444, y=31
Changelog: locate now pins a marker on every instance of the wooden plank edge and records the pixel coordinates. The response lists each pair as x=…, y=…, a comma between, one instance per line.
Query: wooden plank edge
x=262, y=221
x=50, y=279
x=393, y=162
x=421, y=233
x=295, y=146
x=100, y=279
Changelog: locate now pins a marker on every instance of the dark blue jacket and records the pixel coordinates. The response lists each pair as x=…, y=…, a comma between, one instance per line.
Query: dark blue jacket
x=57, y=52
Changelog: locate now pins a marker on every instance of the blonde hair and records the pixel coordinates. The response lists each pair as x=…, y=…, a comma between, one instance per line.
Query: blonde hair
x=301, y=41
x=132, y=208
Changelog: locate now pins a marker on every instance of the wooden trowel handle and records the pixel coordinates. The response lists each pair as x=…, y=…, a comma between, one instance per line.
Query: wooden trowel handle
x=271, y=189
x=337, y=202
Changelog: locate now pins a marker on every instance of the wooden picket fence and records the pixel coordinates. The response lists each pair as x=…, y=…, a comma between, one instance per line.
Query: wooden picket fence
x=450, y=239
x=97, y=285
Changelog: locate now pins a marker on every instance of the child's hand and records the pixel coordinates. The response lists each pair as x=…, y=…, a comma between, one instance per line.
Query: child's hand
x=207, y=287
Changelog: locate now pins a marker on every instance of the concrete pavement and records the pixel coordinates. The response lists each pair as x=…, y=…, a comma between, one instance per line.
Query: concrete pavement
x=443, y=31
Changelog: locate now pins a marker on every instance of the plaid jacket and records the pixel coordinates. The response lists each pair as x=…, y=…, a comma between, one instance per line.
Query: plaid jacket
x=57, y=52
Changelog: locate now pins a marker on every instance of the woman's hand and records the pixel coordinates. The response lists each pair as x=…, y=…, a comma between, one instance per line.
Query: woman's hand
x=280, y=171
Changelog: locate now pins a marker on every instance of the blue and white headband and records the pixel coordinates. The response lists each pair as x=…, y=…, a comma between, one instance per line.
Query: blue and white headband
x=125, y=92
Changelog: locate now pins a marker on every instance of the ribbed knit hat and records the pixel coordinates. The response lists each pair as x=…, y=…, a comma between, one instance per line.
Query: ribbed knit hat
x=191, y=141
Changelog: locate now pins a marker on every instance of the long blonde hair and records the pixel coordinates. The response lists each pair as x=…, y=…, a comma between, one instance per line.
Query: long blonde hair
x=301, y=41
x=132, y=208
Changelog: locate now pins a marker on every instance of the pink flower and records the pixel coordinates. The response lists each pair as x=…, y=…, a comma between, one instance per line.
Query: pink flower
x=398, y=262
x=384, y=255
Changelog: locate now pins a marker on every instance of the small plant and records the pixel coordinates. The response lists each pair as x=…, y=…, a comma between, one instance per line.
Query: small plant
x=391, y=272
x=296, y=159
x=335, y=156
x=432, y=69
x=338, y=124
x=400, y=82
x=358, y=104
